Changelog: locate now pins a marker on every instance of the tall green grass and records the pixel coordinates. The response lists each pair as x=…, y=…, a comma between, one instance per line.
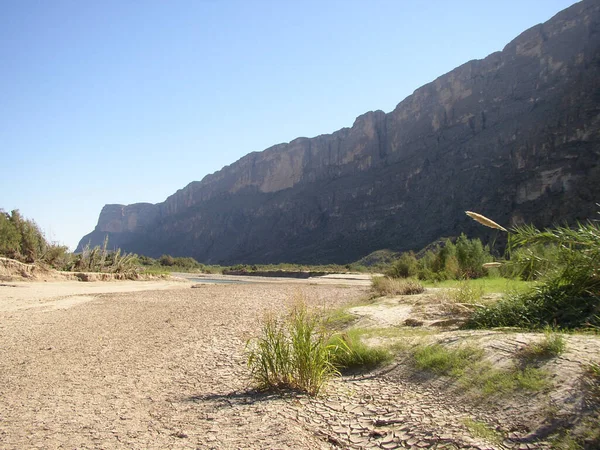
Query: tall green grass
x=292, y=352
x=568, y=292
x=310, y=353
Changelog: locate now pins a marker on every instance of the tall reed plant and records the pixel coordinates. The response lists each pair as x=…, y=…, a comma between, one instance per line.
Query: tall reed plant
x=568, y=294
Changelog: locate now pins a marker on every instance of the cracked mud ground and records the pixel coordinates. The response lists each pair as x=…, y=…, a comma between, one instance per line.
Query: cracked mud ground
x=166, y=369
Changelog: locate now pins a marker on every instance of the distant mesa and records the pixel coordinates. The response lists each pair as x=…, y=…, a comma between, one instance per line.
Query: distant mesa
x=515, y=136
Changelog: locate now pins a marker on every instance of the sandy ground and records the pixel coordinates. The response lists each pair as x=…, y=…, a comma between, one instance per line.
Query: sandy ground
x=161, y=365
x=83, y=366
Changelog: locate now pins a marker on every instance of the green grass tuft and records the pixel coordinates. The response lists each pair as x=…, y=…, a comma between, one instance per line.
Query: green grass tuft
x=473, y=374
x=551, y=345
x=483, y=431
x=489, y=381
x=445, y=361
x=350, y=353
x=292, y=353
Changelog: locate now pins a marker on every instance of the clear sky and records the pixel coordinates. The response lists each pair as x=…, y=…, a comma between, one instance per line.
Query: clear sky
x=122, y=101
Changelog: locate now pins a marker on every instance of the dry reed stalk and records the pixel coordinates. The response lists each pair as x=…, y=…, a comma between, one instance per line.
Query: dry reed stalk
x=484, y=220
x=491, y=264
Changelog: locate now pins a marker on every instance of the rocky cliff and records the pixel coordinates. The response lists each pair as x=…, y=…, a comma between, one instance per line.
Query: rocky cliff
x=515, y=136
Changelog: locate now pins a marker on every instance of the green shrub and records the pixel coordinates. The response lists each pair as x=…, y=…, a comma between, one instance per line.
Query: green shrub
x=292, y=353
x=57, y=256
x=20, y=238
x=444, y=260
x=471, y=256
x=10, y=238
x=166, y=260
x=406, y=266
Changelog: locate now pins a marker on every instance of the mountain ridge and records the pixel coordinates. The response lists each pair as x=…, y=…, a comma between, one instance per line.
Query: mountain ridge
x=515, y=131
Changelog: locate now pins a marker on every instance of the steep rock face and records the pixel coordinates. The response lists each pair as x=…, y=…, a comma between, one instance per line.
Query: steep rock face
x=515, y=136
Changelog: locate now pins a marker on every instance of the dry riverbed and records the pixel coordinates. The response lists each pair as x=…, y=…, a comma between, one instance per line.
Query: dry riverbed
x=161, y=365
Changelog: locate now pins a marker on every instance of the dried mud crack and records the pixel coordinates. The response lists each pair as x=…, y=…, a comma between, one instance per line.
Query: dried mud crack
x=166, y=369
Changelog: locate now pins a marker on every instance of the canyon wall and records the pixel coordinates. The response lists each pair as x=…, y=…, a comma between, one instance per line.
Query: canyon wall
x=515, y=136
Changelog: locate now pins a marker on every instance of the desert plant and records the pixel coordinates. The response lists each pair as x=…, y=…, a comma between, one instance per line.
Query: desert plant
x=311, y=354
x=269, y=356
x=292, y=353
x=99, y=259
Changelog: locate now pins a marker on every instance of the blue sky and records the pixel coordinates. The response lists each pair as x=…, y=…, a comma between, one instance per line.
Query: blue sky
x=128, y=101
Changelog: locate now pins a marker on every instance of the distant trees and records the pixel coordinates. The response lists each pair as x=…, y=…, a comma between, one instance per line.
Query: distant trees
x=181, y=263
x=446, y=260
x=22, y=239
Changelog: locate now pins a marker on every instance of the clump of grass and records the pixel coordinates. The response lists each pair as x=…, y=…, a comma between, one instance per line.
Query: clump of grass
x=551, y=345
x=350, y=353
x=269, y=357
x=393, y=286
x=340, y=318
x=466, y=365
x=465, y=293
x=563, y=440
x=463, y=298
x=292, y=353
x=445, y=361
x=483, y=431
x=489, y=381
